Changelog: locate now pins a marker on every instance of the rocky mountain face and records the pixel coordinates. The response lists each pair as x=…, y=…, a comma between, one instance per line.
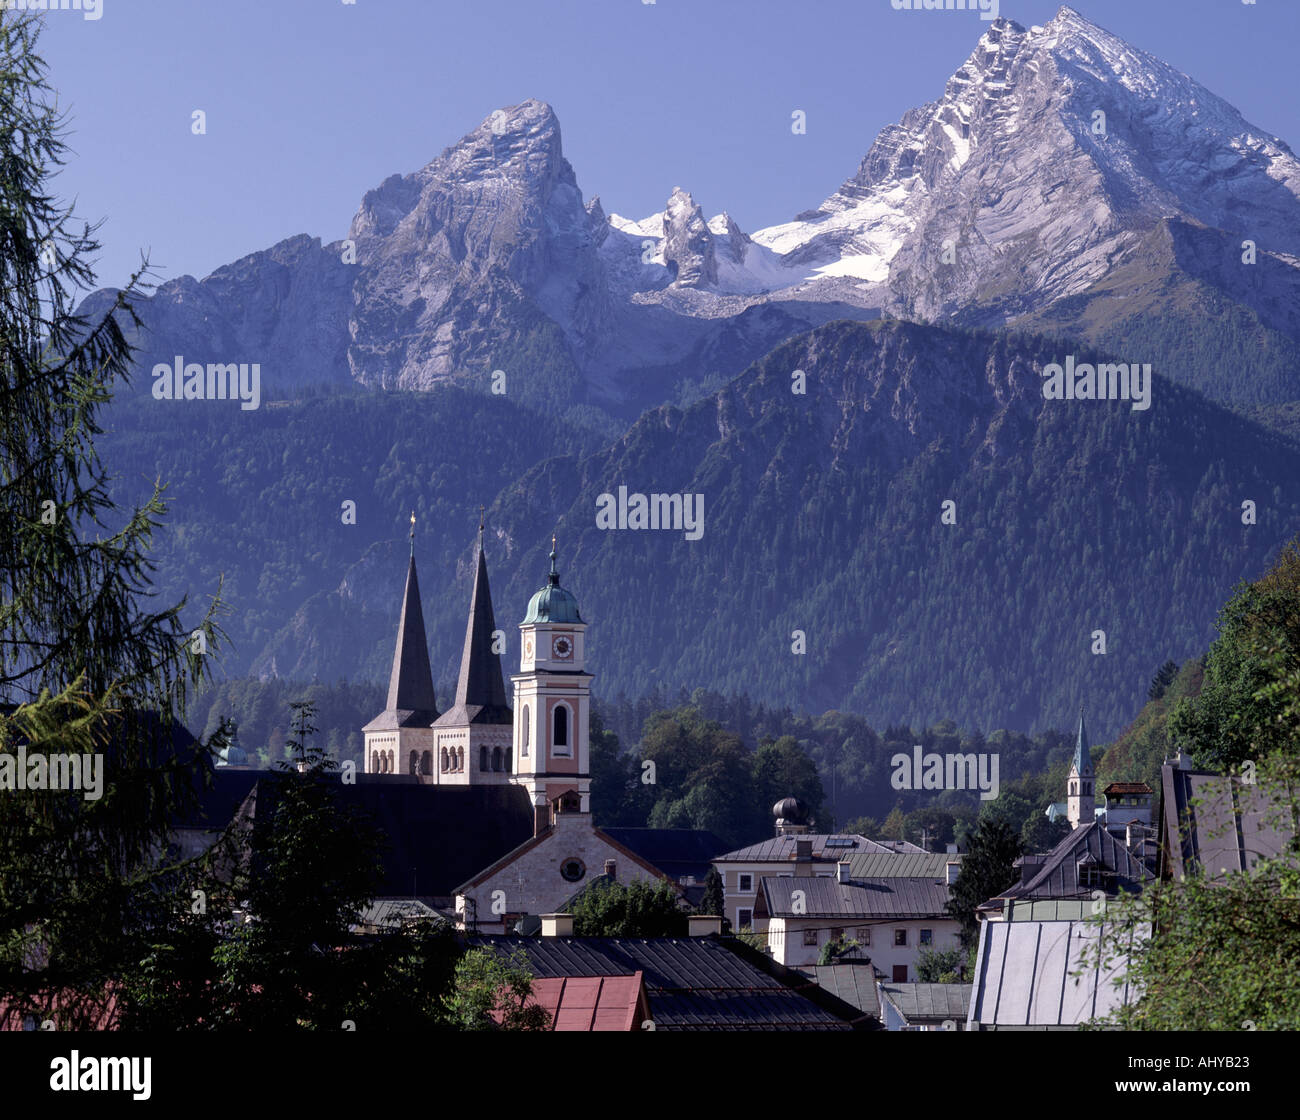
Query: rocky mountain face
x=1018, y=197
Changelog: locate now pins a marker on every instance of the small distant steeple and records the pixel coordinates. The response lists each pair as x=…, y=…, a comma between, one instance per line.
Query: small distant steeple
x=1080, y=801
x=1082, y=762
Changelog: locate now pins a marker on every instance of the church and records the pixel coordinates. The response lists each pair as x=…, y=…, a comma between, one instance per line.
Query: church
x=534, y=749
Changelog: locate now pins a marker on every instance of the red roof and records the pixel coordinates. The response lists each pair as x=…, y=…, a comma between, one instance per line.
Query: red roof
x=592, y=1003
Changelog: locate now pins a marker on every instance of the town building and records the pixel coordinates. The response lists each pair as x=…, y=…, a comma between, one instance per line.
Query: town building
x=795, y=850
x=892, y=920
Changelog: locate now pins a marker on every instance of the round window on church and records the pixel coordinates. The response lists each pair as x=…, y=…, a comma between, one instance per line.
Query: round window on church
x=573, y=869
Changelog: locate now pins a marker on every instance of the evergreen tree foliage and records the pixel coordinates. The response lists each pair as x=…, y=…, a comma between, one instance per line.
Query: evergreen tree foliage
x=90, y=666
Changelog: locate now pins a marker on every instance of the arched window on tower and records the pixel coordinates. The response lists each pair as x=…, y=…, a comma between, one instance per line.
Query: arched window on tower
x=414, y=762
x=560, y=738
x=510, y=760
x=444, y=761
x=460, y=759
x=496, y=758
x=426, y=762
x=482, y=758
x=374, y=762
x=527, y=732
x=392, y=762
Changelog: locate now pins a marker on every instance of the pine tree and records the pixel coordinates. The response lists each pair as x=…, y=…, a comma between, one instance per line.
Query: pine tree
x=88, y=667
x=986, y=869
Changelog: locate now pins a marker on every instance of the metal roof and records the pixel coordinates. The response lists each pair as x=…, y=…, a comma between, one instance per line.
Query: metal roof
x=782, y=848
x=854, y=983
x=1201, y=826
x=1045, y=974
x=694, y=983
x=862, y=898
x=1049, y=910
x=1089, y=845
x=921, y=1002
x=908, y=865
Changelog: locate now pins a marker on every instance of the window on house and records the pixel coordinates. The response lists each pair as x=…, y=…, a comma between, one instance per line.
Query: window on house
x=837, y=934
x=900, y=937
x=745, y=884
x=744, y=918
x=864, y=935
x=900, y=974
x=927, y=936
x=810, y=937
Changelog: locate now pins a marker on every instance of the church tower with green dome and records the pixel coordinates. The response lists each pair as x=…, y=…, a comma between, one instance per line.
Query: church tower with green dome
x=552, y=703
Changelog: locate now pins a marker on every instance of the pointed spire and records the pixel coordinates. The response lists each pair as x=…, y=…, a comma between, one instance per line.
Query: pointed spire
x=480, y=689
x=410, y=686
x=554, y=578
x=1082, y=762
x=412, y=534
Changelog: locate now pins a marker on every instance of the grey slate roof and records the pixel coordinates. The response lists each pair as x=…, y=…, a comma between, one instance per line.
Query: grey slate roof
x=922, y=1003
x=411, y=701
x=1024, y=975
x=677, y=852
x=854, y=982
x=694, y=983
x=1200, y=828
x=909, y=865
x=480, y=688
x=1058, y=877
x=840, y=846
x=862, y=898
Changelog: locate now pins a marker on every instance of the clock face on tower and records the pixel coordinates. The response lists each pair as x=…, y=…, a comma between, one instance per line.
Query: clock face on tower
x=528, y=647
x=562, y=648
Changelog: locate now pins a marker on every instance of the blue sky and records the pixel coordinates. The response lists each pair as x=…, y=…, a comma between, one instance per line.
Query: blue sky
x=310, y=103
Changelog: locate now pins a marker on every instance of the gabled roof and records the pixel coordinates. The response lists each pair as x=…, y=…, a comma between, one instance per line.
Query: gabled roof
x=691, y=983
x=486, y=871
x=921, y=1003
x=480, y=688
x=853, y=981
x=1216, y=823
x=1045, y=974
x=825, y=846
x=411, y=701
x=1058, y=876
x=1127, y=789
x=677, y=852
x=862, y=898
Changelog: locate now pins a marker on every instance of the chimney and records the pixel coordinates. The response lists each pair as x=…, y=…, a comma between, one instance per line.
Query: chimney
x=704, y=925
x=557, y=925
x=952, y=869
x=541, y=818
x=843, y=869
x=952, y=849
x=611, y=868
x=803, y=857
